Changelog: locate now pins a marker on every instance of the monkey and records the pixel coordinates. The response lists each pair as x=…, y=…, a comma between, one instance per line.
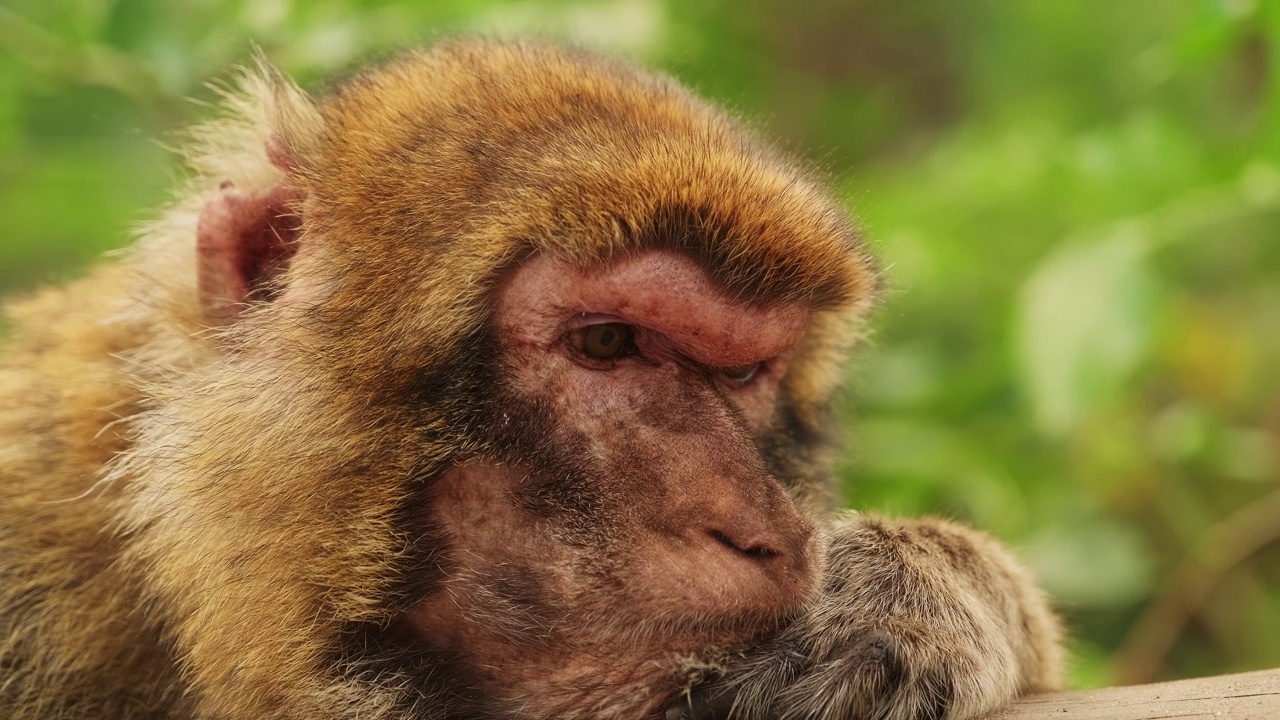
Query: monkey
x=493, y=381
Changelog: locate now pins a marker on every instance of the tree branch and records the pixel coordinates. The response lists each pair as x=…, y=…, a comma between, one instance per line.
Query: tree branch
x=1247, y=696
x=1228, y=544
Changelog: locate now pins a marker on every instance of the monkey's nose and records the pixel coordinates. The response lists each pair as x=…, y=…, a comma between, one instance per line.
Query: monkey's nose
x=757, y=560
x=754, y=544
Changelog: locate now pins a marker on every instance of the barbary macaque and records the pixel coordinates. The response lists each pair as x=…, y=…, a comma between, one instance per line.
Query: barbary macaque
x=491, y=383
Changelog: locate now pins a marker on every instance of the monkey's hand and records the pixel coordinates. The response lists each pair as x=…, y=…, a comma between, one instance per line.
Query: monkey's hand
x=915, y=620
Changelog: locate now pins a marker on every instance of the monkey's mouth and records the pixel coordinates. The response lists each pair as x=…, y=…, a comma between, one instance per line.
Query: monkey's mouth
x=571, y=656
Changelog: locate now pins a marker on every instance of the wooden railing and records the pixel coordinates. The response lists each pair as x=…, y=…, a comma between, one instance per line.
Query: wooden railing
x=1247, y=696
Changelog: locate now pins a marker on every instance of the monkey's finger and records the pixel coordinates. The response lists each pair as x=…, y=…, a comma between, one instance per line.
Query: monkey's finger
x=704, y=703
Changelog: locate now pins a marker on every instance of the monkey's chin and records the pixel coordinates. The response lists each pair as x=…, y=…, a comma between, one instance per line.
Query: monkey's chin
x=622, y=668
x=596, y=654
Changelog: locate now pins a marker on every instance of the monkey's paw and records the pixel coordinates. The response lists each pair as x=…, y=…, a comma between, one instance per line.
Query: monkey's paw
x=893, y=671
x=916, y=620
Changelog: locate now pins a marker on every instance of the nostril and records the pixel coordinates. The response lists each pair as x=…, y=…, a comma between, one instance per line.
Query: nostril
x=756, y=548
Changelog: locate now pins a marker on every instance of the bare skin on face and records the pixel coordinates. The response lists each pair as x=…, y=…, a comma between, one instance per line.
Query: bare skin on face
x=693, y=542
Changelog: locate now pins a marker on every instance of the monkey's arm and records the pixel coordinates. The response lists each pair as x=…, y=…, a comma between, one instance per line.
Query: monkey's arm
x=916, y=619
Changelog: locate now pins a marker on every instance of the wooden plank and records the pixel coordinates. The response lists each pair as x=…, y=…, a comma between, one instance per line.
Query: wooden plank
x=1247, y=696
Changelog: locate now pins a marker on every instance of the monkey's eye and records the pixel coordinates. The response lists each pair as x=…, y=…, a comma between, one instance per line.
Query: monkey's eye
x=742, y=374
x=605, y=341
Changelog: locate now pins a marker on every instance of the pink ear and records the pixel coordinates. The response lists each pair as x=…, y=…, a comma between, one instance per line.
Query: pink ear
x=244, y=241
x=280, y=155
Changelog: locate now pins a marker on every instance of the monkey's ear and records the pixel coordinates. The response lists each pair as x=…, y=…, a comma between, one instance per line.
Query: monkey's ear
x=244, y=241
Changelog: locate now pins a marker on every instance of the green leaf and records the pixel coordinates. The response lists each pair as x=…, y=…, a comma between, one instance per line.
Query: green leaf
x=1083, y=325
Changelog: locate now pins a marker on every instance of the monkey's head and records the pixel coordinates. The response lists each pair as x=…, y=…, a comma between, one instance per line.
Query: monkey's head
x=522, y=368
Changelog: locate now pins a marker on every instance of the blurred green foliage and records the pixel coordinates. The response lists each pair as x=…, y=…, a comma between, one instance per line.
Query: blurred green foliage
x=1077, y=207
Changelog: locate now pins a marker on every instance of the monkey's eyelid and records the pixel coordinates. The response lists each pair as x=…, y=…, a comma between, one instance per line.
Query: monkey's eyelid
x=586, y=319
x=742, y=374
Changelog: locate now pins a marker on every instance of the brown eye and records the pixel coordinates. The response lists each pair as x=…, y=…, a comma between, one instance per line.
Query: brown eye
x=606, y=341
x=742, y=374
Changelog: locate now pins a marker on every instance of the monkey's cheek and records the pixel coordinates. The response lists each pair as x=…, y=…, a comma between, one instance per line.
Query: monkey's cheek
x=436, y=628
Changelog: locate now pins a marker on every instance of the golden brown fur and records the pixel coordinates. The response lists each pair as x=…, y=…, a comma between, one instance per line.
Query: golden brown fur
x=208, y=510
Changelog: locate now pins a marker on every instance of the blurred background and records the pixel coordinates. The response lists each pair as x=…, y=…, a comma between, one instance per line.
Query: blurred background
x=1077, y=205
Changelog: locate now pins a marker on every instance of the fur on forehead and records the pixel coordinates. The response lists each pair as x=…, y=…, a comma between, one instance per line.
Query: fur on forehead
x=458, y=161
x=522, y=147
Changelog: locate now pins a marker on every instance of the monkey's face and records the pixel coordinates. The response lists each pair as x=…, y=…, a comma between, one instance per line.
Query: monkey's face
x=628, y=501
x=539, y=348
